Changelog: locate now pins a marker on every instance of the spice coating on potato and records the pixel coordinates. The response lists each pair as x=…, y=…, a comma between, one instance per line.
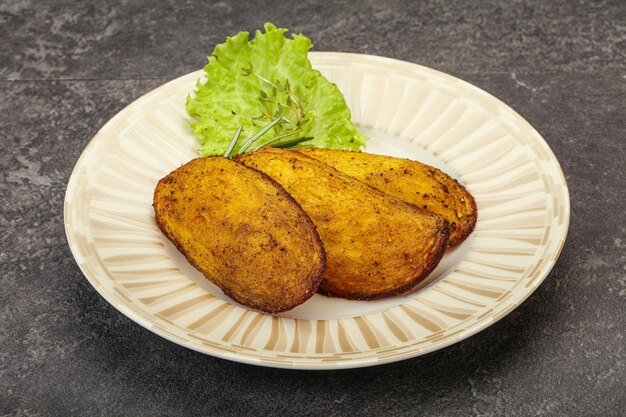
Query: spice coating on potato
x=376, y=245
x=242, y=231
x=413, y=182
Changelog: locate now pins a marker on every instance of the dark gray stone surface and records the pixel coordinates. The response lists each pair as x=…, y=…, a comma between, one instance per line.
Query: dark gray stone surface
x=66, y=68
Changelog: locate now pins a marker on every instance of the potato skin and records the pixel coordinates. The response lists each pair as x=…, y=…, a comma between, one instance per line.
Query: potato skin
x=242, y=231
x=413, y=182
x=376, y=245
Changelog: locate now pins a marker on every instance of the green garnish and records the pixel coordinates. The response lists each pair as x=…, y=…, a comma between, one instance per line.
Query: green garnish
x=229, y=151
x=252, y=82
x=259, y=134
x=292, y=143
x=270, y=142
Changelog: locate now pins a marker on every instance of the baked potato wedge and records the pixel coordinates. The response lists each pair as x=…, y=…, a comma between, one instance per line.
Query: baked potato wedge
x=242, y=231
x=413, y=182
x=376, y=245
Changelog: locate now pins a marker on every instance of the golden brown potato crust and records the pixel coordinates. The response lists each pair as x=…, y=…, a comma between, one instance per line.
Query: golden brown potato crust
x=410, y=181
x=376, y=245
x=242, y=231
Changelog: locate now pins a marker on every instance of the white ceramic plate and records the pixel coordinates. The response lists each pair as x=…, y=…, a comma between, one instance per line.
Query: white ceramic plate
x=407, y=110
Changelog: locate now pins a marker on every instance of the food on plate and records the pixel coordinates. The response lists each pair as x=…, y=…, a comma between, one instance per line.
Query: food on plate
x=250, y=83
x=413, y=182
x=242, y=231
x=376, y=245
x=273, y=226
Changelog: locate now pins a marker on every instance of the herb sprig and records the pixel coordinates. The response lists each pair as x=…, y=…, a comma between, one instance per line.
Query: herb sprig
x=279, y=104
x=274, y=143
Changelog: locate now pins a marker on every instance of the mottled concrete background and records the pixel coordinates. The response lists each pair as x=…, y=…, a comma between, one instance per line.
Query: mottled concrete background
x=66, y=68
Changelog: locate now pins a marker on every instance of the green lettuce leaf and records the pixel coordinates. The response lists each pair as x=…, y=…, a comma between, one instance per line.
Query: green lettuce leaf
x=251, y=82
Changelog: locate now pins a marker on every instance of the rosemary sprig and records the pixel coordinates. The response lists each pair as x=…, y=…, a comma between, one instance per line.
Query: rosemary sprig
x=279, y=104
x=292, y=143
x=233, y=142
x=259, y=134
x=273, y=140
